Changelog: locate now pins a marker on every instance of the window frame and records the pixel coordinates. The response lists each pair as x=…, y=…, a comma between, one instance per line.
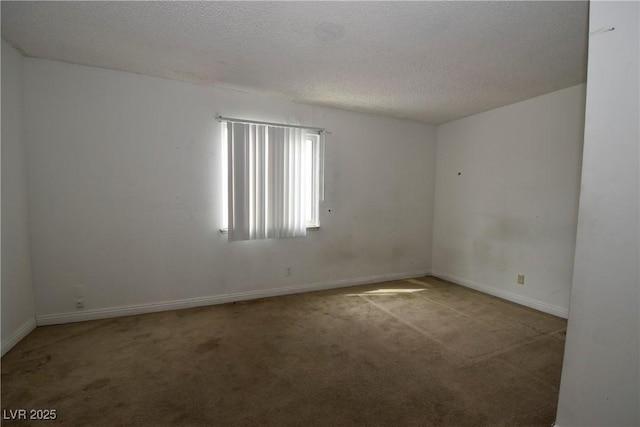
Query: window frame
x=317, y=184
x=313, y=223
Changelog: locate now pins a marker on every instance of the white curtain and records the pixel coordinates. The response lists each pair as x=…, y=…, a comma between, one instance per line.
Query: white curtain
x=266, y=191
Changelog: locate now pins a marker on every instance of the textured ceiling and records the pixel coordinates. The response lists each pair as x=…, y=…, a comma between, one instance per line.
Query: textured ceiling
x=428, y=61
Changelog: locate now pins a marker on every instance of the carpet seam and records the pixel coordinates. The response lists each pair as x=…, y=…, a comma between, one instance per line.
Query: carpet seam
x=492, y=329
x=460, y=358
x=411, y=325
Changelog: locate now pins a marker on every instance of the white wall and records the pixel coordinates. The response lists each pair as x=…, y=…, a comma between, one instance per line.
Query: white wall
x=125, y=197
x=600, y=378
x=18, y=315
x=507, y=184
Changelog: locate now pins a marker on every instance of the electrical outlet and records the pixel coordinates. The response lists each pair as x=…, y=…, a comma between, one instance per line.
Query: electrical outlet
x=79, y=303
x=287, y=271
x=520, y=279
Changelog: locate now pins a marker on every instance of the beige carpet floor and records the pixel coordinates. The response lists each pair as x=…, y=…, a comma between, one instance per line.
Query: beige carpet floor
x=415, y=352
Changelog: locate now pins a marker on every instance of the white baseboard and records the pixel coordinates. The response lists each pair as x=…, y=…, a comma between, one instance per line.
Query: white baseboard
x=103, y=313
x=518, y=299
x=17, y=336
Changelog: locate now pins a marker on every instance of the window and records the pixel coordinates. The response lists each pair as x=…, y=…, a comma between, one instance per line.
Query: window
x=272, y=180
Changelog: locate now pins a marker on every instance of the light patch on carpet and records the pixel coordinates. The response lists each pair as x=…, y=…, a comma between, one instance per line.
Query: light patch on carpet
x=387, y=292
x=416, y=282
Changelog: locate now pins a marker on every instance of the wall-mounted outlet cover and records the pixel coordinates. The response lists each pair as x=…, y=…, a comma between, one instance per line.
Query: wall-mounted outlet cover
x=520, y=279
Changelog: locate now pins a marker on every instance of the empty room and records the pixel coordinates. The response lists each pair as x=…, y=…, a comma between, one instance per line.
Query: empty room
x=320, y=213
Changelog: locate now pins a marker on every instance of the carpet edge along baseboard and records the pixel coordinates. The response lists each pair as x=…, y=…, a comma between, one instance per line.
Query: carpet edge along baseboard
x=128, y=310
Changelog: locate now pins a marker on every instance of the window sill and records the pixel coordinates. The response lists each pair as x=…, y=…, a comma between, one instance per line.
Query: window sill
x=313, y=228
